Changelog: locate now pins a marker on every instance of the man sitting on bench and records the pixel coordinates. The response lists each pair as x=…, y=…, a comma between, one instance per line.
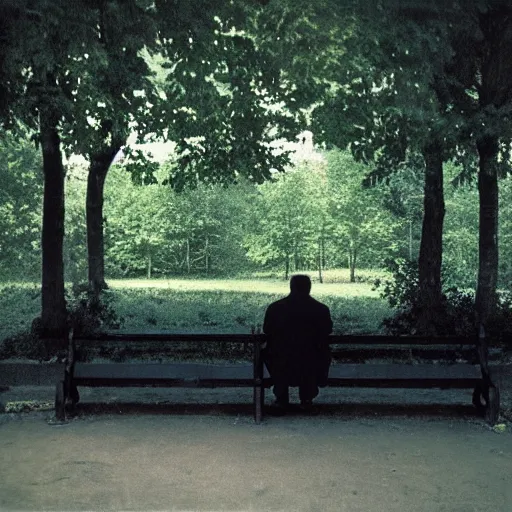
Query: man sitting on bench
x=297, y=352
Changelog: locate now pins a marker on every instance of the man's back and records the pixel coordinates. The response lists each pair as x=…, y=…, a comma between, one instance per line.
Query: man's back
x=297, y=321
x=297, y=328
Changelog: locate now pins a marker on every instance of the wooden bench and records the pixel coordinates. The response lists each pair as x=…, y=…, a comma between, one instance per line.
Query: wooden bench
x=424, y=362
x=155, y=374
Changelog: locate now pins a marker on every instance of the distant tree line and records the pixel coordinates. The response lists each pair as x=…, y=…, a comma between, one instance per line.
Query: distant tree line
x=316, y=215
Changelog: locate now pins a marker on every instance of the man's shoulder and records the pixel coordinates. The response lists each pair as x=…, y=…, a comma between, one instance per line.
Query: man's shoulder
x=277, y=304
x=318, y=304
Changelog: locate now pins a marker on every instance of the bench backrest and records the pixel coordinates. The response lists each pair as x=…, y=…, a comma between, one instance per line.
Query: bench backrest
x=334, y=339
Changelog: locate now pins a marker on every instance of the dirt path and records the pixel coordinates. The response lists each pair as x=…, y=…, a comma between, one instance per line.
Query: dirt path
x=184, y=456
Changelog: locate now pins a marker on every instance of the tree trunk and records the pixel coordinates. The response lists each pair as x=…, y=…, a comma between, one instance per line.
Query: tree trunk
x=320, y=277
x=323, y=252
x=100, y=164
x=410, y=239
x=287, y=267
x=188, y=256
x=53, y=314
x=149, y=266
x=206, y=255
x=485, y=301
x=352, y=262
x=431, y=247
x=295, y=258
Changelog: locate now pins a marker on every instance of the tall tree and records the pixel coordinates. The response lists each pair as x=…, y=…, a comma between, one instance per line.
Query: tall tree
x=384, y=106
x=112, y=96
x=360, y=222
x=214, y=95
x=42, y=40
x=479, y=87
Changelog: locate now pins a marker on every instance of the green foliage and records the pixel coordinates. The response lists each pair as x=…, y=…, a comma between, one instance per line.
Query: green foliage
x=19, y=304
x=320, y=210
x=230, y=88
x=460, y=237
x=20, y=205
x=401, y=289
x=402, y=195
x=154, y=231
x=283, y=220
x=458, y=316
x=75, y=242
x=361, y=227
x=26, y=345
x=505, y=234
x=89, y=314
x=226, y=79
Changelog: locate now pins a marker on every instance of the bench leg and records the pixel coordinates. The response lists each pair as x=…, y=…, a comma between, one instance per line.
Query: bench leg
x=478, y=394
x=258, y=402
x=492, y=409
x=74, y=395
x=71, y=394
x=60, y=402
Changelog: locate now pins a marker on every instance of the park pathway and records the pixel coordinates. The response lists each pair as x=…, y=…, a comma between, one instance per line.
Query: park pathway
x=215, y=458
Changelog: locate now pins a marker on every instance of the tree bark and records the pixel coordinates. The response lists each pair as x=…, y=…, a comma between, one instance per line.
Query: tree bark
x=410, y=239
x=53, y=304
x=295, y=258
x=485, y=300
x=352, y=263
x=188, y=256
x=100, y=164
x=149, y=265
x=431, y=247
x=320, y=277
x=206, y=256
x=323, y=251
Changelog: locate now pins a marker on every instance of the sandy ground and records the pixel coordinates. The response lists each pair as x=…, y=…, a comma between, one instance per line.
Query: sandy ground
x=199, y=449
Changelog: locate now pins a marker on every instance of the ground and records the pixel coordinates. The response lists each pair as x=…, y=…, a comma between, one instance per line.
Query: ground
x=199, y=449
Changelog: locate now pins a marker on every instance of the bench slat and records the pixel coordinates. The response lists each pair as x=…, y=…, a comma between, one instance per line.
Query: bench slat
x=382, y=339
x=405, y=371
x=198, y=374
x=170, y=338
x=162, y=371
x=126, y=337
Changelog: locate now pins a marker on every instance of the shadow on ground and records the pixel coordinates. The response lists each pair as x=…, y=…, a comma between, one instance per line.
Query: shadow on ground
x=344, y=411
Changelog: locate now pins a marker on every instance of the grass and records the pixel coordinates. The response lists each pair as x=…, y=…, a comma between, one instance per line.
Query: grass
x=206, y=305
x=20, y=303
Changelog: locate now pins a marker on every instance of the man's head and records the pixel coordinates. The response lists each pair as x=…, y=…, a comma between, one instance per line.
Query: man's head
x=300, y=285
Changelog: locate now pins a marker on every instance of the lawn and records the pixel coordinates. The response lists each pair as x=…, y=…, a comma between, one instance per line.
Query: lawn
x=205, y=305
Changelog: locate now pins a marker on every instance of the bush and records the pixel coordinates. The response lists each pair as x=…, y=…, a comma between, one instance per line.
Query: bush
x=458, y=314
x=401, y=291
x=24, y=345
x=88, y=313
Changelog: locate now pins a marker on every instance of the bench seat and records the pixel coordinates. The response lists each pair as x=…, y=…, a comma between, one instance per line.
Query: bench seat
x=86, y=373
x=163, y=374
x=441, y=376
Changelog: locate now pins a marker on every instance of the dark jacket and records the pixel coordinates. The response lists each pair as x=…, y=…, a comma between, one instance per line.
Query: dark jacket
x=297, y=328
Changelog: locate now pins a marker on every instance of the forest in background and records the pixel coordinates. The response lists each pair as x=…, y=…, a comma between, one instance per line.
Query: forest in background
x=317, y=215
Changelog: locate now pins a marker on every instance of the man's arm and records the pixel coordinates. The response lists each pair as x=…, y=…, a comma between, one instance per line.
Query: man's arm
x=326, y=320
x=268, y=322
